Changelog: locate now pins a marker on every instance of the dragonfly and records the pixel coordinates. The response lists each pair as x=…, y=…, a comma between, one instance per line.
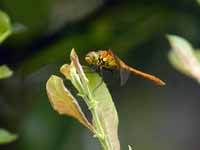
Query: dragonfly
x=106, y=59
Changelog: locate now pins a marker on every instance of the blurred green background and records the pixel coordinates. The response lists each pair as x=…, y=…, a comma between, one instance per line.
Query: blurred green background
x=151, y=117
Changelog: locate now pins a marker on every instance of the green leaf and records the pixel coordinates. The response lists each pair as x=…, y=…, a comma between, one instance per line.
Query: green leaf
x=6, y=137
x=197, y=54
x=129, y=147
x=198, y=1
x=24, y=12
x=63, y=102
x=96, y=95
x=184, y=58
x=105, y=109
x=5, y=26
x=5, y=72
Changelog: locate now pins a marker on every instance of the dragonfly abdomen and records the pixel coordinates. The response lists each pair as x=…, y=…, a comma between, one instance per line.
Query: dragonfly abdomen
x=146, y=75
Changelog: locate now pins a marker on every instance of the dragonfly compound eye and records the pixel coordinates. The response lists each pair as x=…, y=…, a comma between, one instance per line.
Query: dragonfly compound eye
x=91, y=58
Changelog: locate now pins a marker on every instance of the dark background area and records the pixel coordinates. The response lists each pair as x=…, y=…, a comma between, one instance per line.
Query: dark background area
x=151, y=117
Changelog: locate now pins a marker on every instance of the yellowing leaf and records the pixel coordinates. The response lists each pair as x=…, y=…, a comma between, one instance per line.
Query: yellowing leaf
x=65, y=70
x=5, y=72
x=63, y=102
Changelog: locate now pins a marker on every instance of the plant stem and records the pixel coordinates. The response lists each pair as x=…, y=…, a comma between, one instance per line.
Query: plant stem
x=96, y=120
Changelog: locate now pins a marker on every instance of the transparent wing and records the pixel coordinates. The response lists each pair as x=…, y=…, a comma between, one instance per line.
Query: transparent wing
x=124, y=75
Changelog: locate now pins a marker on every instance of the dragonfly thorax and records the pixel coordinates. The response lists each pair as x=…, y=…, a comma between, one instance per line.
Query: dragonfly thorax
x=101, y=59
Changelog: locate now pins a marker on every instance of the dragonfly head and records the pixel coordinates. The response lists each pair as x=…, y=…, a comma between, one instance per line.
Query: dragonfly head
x=92, y=58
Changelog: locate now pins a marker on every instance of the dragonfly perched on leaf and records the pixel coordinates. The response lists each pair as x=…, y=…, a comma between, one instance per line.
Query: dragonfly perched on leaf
x=108, y=60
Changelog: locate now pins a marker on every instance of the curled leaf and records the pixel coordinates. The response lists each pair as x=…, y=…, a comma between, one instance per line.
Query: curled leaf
x=5, y=26
x=6, y=137
x=65, y=70
x=77, y=65
x=63, y=102
x=5, y=72
x=183, y=57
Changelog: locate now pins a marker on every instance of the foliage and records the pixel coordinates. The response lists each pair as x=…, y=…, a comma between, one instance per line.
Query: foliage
x=198, y=1
x=184, y=58
x=5, y=72
x=135, y=31
x=5, y=30
x=6, y=137
x=129, y=147
x=5, y=26
x=95, y=94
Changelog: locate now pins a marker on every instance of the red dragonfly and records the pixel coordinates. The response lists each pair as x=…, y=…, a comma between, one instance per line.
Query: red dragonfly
x=107, y=59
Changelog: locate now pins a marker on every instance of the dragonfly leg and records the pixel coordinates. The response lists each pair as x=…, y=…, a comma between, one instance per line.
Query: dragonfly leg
x=101, y=71
x=95, y=68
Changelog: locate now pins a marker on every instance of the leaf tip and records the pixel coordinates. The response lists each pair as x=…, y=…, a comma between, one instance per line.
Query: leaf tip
x=73, y=53
x=129, y=147
x=65, y=70
x=5, y=72
x=7, y=137
x=171, y=37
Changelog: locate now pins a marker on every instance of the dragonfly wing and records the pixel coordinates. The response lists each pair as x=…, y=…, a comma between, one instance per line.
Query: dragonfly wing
x=124, y=75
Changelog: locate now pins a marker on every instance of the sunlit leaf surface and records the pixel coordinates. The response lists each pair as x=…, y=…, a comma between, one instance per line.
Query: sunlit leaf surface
x=63, y=102
x=96, y=95
x=184, y=58
x=129, y=147
x=6, y=137
x=105, y=108
x=5, y=26
x=5, y=72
